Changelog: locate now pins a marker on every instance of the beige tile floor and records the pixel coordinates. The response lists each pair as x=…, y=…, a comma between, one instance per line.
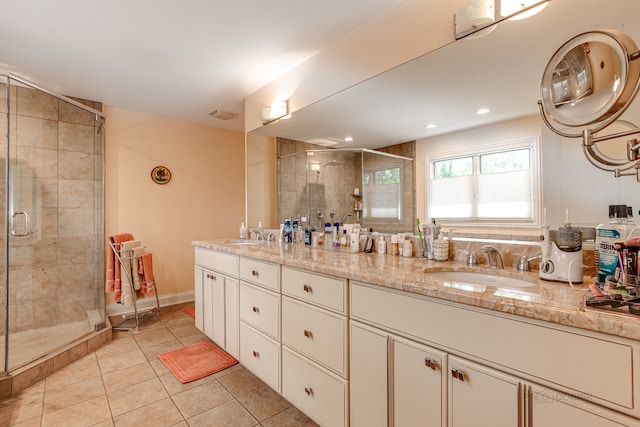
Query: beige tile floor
x=125, y=384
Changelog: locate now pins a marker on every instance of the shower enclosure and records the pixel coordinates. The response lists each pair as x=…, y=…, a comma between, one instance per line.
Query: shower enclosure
x=372, y=188
x=52, y=251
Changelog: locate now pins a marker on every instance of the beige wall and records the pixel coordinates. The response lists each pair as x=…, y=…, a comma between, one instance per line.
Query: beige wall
x=203, y=200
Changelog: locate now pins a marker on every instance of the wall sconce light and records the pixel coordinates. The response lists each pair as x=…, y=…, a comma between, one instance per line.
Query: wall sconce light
x=515, y=10
x=277, y=110
x=477, y=18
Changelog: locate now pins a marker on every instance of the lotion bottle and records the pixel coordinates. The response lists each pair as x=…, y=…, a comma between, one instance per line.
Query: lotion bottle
x=382, y=245
x=242, y=232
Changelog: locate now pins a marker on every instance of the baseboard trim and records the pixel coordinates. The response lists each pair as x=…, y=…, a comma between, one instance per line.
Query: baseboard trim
x=149, y=303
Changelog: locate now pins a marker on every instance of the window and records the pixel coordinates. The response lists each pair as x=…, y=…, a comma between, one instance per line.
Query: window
x=499, y=184
x=383, y=193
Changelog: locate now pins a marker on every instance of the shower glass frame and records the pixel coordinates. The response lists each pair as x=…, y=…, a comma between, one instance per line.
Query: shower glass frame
x=13, y=81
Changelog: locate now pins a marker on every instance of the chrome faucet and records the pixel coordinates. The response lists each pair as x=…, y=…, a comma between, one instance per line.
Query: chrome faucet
x=343, y=217
x=261, y=235
x=494, y=258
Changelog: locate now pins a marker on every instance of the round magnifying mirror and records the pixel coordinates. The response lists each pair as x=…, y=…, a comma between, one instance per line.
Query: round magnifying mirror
x=590, y=80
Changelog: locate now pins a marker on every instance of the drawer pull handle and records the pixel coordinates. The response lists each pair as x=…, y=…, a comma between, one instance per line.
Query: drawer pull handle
x=309, y=391
x=430, y=363
x=308, y=289
x=256, y=354
x=457, y=374
x=255, y=273
x=308, y=334
x=255, y=309
x=211, y=276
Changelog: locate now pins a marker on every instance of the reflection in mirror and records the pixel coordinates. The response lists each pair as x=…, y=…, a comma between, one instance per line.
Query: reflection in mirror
x=501, y=70
x=346, y=186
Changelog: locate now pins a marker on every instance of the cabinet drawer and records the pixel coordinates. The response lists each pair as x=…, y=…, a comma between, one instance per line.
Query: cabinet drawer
x=219, y=261
x=316, y=333
x=316, y=392
x=511, y=343
x=324, y=291
x=260, y=308
x=261, y=355
x=261, y=273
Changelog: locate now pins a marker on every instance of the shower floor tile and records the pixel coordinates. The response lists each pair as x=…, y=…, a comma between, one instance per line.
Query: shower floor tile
x=26, y=346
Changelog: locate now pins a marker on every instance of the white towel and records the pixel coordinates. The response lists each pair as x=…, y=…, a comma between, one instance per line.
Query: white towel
x=136, y=252
x=127, y=272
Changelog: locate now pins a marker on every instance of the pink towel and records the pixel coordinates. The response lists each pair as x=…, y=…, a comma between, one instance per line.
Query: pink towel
x=114, y=283
x=145, y=269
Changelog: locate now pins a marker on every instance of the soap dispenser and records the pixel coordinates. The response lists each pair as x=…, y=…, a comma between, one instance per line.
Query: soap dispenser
x=441, y=248
x=242, y=232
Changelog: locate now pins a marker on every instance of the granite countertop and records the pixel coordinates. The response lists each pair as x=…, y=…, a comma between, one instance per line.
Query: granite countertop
x=544, y=300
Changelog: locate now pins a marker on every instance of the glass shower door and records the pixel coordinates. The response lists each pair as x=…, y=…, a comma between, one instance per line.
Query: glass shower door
x=54, y=217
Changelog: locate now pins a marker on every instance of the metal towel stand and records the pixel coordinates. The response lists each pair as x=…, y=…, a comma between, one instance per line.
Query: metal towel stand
x=133, y=321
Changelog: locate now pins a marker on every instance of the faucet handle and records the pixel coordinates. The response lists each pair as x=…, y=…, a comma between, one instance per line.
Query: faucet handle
x=472, y=258
x=524, y=263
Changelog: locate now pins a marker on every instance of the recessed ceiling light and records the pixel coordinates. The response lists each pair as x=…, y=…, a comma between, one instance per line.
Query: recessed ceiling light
x=431, y=125
x=482, y=111
x=348, y=139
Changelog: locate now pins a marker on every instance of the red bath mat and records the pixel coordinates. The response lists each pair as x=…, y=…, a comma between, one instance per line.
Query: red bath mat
x=190, y=311
x=196, y=361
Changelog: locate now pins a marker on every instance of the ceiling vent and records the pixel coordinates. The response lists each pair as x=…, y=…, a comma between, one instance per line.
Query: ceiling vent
x=223, y=115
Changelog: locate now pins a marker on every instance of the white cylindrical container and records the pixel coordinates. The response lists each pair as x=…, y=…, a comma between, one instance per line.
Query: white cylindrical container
x=440, y=249
x=407, y=248
x=381, y=246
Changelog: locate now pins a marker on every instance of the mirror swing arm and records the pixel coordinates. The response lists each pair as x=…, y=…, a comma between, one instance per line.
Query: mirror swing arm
x=577, y=93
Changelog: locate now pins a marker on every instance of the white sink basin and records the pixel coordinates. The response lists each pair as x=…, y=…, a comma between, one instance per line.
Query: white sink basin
x=242, y=242
x=476, y=279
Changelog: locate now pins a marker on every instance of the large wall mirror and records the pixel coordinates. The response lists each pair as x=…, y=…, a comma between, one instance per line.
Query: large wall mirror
x=501, y=70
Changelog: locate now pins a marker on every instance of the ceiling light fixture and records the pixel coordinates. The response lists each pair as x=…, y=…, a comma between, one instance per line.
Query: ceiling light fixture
x=431, y=125
x=482, y=111
x=348, y=139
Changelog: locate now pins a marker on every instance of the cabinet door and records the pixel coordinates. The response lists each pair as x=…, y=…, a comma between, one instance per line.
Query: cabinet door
x=418, y=384
x=207, y=303
x=232, y=316
x=480, y=396
x=368, y=375
x=550, y=408
x=199, y=297
x=218, y=308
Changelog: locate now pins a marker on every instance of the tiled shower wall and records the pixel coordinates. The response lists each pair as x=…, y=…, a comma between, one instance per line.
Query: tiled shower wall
x=56, y=272
x=331, y=188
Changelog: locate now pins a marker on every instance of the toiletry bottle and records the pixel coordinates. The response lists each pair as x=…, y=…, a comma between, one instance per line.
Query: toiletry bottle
x=440, y=248
x=354, y=242
x=287, y=231
x=400, y=244
x=369, y=245
x=407, y=248
x=606, y=235
x=343, y=239
x=394, y=245
x=382, y=245
x=242, y=233
x=336, y=239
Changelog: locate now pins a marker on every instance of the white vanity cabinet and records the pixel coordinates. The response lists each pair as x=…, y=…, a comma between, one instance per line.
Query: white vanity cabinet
x=260, y=314
x=395, y=381
x=501, y=369
x=216, y=298
x=314, y=345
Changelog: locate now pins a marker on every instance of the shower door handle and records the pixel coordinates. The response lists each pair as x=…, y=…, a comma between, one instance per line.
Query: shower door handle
x=27, y=224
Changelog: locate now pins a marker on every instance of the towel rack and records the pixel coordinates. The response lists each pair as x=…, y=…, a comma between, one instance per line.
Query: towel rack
x=133, y=321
